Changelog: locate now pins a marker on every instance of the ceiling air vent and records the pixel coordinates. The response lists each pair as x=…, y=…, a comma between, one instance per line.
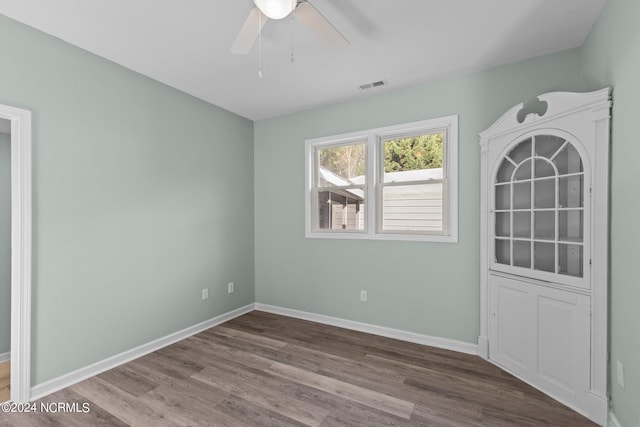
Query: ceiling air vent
x=373, y=84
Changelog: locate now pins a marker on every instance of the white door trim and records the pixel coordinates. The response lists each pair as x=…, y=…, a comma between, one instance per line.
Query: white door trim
x=20, y=251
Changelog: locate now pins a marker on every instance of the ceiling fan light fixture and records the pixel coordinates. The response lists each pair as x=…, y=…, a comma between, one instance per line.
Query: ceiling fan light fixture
x=276, y=9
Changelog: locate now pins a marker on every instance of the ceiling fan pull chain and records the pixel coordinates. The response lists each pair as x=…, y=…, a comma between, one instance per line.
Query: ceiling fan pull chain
x=260, y=45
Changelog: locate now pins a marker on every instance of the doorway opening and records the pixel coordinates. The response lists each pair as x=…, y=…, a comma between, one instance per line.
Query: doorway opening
x=20, y=253
x=5, y=259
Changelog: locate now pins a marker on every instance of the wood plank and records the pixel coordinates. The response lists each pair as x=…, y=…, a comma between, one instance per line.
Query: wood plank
x=129, y=379
x=345, y=390
x=124, y=405
x=245, y=385
x=342, y=411
x=249, y=337
x=253, y=415
x=5, y=374
x=5, y=381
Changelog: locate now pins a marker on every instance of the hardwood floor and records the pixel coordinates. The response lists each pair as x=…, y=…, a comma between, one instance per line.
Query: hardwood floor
x=5, y=381
x=266, y=370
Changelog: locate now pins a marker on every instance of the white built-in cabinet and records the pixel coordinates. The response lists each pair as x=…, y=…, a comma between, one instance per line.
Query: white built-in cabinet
x=544, y=206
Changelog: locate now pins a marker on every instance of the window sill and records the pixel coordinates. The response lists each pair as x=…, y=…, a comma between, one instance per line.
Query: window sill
x=434, y=238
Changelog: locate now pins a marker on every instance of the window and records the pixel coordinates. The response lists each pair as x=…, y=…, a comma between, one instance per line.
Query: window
x=397, y=182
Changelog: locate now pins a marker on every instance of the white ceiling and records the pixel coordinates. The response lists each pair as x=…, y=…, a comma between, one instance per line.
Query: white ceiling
x=185, y=43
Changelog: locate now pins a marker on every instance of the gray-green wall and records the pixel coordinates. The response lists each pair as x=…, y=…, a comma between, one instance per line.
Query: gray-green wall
x=5, y=242
x=427, y=288
x=611, y=57
x=143, y=196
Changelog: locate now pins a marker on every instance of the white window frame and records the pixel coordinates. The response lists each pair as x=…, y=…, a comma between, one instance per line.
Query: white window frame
x=374, y=174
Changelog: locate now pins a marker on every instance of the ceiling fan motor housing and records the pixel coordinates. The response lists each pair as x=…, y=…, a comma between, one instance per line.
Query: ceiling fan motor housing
x=276, y=9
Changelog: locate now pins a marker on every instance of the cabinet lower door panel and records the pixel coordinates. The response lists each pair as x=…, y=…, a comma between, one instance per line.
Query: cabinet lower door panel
x=541, y=334
x=509, y=344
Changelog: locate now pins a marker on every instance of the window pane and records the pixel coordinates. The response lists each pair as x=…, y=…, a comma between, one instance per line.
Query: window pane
x=341, y=210
x=503, y=251
x=547, y=145
x=503, y=197
x=570, y=225
x=505, y=171
x=522, y=224
x=570, y=260
x=570, y=192
x=568, y=160
x=522, y=254
x=545, y=225
x=342, y=165
x=544, y=256
x=543, y=168
x=522, y=195
x=545, y=193
x=521, y=151
x=503, y=224
x=413, y=208
x=523, y=171
x=416, y=158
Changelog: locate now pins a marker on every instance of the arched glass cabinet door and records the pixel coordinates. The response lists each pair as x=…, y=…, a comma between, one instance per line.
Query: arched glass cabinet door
x=539, y=211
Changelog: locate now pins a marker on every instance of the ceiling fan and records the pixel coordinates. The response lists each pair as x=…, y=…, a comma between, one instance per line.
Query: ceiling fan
x=304, y=11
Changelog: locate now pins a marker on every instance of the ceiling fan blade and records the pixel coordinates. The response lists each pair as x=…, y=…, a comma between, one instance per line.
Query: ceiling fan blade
x=318, y=24
x=249, y=32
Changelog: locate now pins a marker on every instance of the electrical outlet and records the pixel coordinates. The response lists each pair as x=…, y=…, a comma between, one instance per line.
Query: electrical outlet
x=363, y=296
x=230, y=287
x=620, y=372
x=205, y=294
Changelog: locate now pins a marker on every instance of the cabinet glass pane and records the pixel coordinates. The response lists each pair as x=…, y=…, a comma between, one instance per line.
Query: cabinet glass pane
x=547, y=145
x=543, y=168
x=503, y=197
x=523, y=171
x=521, y=151
x=568, y=160
x=503, y=251
x=505, y=171
x=503, y=224
x=544, y=256
x=545, y=190
x=522, y=195
x=522, y=254
x=522, y=224
x=545, y=225
x=570, y=225
x=570, y=191
x=570, y=259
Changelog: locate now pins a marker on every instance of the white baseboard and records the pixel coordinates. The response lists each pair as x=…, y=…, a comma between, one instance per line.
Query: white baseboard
x=66, y=380
x=613, y=420
x=448, y=344
x=5, y=357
